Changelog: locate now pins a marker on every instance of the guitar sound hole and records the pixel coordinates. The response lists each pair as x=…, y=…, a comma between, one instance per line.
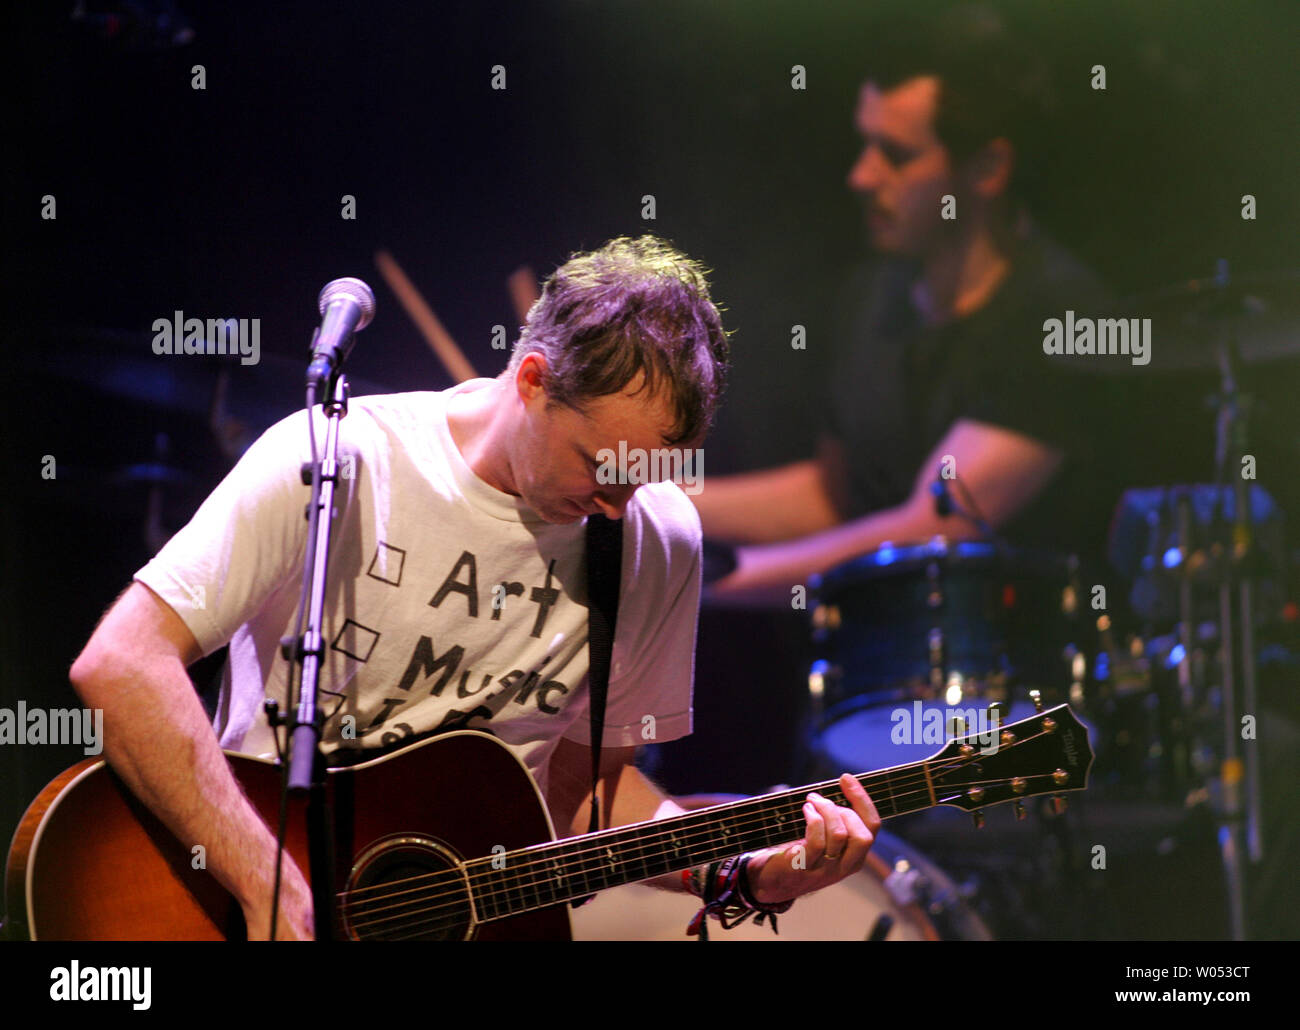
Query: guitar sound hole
x=409, y=889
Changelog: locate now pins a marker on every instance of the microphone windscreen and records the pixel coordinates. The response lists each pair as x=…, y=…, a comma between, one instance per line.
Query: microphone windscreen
x=351, y=289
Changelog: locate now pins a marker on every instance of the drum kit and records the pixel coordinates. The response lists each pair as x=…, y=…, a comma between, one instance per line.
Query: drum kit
x=912, y=638
x=936, y=628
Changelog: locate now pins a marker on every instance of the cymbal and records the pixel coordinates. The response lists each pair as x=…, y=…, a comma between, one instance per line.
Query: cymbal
x=119, y=364
x=1193, y=321
x=150, y=473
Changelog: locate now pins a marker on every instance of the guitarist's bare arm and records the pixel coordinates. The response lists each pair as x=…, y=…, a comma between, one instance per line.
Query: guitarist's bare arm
x=627, y=796
x=158, y=740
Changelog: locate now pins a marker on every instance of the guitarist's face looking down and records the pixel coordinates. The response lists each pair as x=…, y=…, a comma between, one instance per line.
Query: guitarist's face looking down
x=547, y=454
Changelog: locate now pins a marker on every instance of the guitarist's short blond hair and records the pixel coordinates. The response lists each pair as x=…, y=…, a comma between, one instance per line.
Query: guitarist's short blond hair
x=633, y=307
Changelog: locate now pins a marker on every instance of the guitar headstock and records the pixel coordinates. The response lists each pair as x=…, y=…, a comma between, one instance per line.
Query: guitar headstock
x=1047, y=753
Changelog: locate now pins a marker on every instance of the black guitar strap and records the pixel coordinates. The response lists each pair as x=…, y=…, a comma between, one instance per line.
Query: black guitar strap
x=604, y=572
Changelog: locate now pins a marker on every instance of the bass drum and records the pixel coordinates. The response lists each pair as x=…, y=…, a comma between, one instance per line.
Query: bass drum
x=898, y=896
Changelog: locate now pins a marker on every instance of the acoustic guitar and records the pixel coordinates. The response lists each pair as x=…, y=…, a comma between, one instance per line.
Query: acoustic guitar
x=450, y=839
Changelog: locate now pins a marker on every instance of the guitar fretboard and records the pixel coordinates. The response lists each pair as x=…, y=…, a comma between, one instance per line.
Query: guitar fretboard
x=549, y=874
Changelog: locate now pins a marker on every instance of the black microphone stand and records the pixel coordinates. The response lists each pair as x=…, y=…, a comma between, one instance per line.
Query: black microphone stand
x=306, y=761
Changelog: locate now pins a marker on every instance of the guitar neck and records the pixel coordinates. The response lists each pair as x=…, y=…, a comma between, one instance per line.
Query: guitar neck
x=547, y=874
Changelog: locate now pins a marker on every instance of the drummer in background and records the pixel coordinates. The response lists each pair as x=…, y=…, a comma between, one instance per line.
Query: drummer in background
x=942, y=398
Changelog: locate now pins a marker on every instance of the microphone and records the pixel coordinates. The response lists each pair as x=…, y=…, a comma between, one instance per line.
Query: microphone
x=346, y=307
x=943, y=503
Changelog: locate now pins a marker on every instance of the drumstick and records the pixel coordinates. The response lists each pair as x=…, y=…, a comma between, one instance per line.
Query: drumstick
x=439, y=340
x=523, y=290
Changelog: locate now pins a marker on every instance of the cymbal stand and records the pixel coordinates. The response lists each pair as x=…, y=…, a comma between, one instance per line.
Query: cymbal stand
x=1238, y=814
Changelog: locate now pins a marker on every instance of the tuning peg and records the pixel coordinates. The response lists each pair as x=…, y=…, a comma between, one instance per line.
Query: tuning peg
x=958, y=725
x=978, y=817
x=1037, y=697
x=1019, y=809
x=1058, y=804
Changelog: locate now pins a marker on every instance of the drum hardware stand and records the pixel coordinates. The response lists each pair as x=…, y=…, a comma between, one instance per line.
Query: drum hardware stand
x=880, y=930
x=1171, y=721
x=817, y=675
x=1186, y=611
x=1236, y=637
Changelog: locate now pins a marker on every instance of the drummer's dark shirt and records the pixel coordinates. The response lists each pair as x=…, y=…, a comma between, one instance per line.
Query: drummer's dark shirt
x=898, y=387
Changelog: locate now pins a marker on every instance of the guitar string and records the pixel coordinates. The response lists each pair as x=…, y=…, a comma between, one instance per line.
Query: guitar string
x=458, y=904
x=442, y=914
x=494, y=891
x=603, y=838
x=704, y=832
x=894, y=789
x=492, y=888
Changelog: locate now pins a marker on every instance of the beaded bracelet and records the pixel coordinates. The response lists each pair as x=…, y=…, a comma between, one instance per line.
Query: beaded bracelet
x=728, y=896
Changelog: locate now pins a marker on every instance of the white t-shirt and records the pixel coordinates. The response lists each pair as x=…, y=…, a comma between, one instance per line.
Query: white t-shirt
x=449, y=604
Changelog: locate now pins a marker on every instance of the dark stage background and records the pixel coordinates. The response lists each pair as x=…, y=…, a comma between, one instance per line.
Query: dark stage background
x=226, y=202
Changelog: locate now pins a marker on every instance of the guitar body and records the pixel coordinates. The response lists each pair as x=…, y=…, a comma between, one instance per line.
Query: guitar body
x=89, y=862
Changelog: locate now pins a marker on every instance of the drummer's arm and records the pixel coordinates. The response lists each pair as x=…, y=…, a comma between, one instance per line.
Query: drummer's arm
x=764, y=507
x=1003, y=471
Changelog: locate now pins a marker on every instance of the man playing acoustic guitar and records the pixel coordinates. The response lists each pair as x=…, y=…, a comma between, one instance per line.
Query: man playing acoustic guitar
x=456, y=592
